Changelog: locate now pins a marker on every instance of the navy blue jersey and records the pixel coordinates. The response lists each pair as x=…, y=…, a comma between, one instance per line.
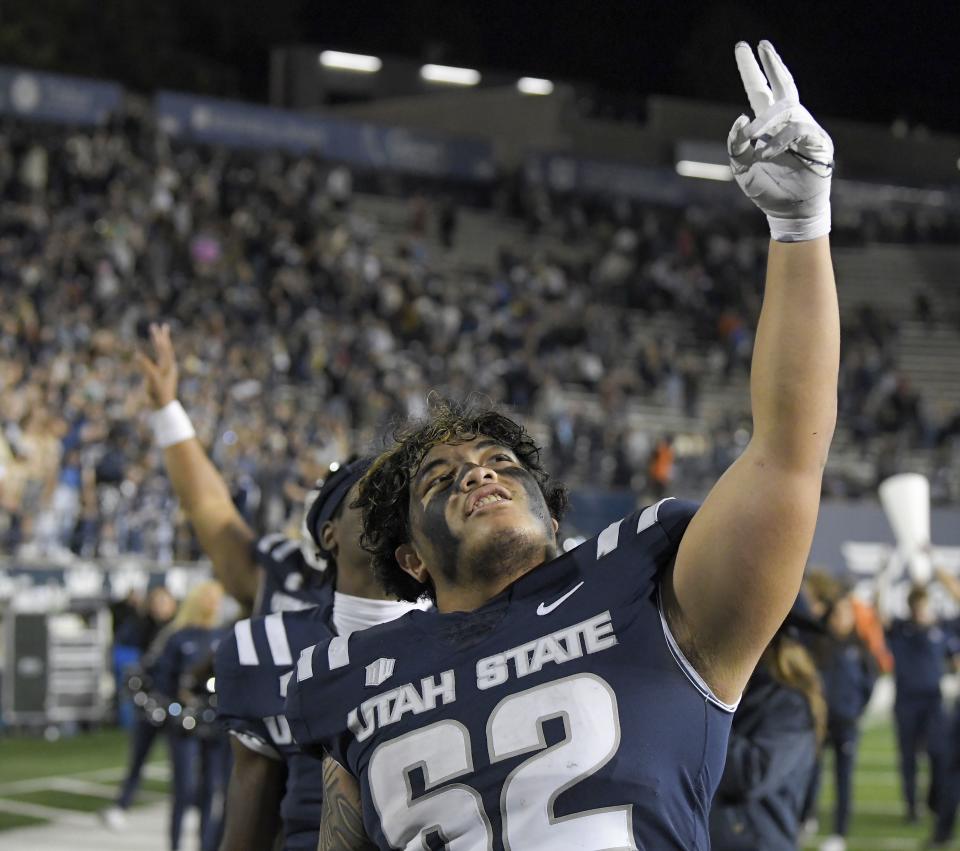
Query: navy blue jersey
x=848, y=672
x=180, y=652
x=920, y=656
x=289, y=583
x=253, y=666
x=559, y=715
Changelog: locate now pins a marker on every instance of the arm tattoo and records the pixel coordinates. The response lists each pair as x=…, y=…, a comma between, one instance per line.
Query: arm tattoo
x=341, y=821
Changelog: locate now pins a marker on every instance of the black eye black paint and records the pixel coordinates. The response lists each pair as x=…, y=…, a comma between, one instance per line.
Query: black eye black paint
x=535, y=498
x=437, y=530
x=447, y=545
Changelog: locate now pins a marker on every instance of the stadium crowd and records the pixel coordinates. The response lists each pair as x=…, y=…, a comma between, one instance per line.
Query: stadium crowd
x=304, y=335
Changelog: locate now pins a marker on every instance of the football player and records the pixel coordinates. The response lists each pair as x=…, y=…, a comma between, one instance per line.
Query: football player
x=272, y=782
x=327, y=569
x=583, y=700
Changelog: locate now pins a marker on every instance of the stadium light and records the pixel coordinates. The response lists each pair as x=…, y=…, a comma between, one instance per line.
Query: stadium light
x=350, y=61
x=707, y=171
x=534, y=86
x=449, y=74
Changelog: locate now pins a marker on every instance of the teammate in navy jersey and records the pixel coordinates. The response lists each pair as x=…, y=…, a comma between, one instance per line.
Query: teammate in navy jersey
x=273, y=783
x=271, y=574
x=264, y=575
x=583, y=700
x=253, y=666
x=288, y=580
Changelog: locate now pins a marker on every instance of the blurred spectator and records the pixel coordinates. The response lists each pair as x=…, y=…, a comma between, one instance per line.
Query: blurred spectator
x=773, y=745
x=340, y=187
x=447, y=222
x=661, y=467
x=184, y=642
x=136, y=623
x=197, y=763
x=870, y=630
x=356, y=316
x=945, y=823
x=920, y=647
x=848, y=672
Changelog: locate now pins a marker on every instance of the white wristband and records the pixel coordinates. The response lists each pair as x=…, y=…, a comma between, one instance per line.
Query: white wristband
x=171, y=425
x=799, y=230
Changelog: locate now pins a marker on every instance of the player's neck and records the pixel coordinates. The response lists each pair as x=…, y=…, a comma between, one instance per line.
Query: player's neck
x=359, y=581
x=467, y=598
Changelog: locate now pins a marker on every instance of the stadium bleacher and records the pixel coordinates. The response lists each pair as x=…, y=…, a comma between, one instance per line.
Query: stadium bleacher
x=160, y=229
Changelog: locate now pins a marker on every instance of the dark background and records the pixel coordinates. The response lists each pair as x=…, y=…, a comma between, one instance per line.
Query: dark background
x=872, y=61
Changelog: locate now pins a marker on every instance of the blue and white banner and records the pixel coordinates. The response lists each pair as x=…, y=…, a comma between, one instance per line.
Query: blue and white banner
x=39, y=96
x=239, y=124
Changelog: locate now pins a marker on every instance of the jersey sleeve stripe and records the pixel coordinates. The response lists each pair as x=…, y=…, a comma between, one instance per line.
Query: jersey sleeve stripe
x=305, y=664
x=338, y=654
x=285, y=549
x=608, y=539
x=246, y=650
x=256, y=744
x=277, y=639
x=687, y=668
x=650, y=515
x=267, y=542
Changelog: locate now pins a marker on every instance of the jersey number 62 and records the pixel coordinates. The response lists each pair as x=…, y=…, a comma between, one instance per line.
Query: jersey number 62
x=454, y=814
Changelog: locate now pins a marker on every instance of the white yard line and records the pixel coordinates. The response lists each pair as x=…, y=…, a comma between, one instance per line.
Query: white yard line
x=867, y=844
x=62, y=784
x=94, y=790
x=71, y=817
x=159, y=771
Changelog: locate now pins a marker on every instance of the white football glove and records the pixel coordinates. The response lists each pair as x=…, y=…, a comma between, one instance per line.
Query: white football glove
x=783, y=159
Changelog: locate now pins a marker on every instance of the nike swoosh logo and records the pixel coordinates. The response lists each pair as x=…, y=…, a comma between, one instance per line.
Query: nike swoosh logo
x=544, y=609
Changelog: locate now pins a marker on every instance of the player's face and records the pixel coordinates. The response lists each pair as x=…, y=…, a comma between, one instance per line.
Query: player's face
x=475, y=512
x=349, y=526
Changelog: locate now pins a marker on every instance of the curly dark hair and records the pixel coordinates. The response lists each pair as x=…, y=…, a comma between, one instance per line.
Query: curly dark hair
x=385, y=489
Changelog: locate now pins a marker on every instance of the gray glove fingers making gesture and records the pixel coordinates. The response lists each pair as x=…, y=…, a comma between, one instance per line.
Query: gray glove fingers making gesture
x=782, y=159
x=780, y=78
x=758, y=92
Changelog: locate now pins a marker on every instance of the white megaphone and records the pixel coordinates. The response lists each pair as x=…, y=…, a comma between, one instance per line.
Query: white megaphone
x=906, y=501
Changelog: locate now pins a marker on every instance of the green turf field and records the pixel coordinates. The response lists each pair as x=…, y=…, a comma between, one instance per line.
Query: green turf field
x=877, y=822
x=82, y=773
x=76, y=774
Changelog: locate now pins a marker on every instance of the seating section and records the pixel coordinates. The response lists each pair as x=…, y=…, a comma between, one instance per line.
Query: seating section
x=307, y=316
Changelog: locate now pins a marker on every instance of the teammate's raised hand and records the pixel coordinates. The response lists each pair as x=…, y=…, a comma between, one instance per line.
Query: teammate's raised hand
x=782, y=159
x=160, y=373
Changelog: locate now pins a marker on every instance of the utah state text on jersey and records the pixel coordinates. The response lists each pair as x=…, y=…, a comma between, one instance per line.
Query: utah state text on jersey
x=561, y=714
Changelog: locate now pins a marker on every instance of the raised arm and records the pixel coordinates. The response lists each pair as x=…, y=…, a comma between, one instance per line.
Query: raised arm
x=223, y=534
x=740, y=563
x=948, y=581
x=341, y=820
